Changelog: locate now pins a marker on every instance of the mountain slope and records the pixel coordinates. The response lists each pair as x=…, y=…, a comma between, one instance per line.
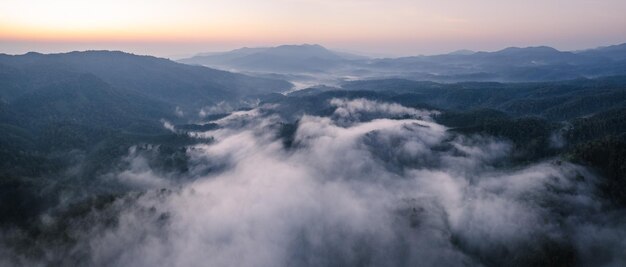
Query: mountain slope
x=84, y=99
x=513, y=64
x=158, y=78
x=284, y=58
x=614, y=52
x=553, y=100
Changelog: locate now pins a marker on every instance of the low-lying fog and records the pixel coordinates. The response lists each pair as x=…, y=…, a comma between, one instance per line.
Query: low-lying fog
x=373, y=184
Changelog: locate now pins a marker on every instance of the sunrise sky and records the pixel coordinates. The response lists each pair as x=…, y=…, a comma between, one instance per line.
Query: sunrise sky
x=389, y=27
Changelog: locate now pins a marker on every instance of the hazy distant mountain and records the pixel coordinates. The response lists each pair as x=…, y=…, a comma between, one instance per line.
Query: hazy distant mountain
x=156, y=78
x=462, y=52
x=529, y=56
x=614, y=52
x=516, y=64
x=511, y=64
x=284, y=58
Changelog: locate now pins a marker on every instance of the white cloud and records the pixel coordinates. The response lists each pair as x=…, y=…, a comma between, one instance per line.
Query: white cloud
x=381, y=192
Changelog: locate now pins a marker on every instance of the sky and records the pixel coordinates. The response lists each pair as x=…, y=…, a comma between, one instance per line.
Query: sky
x=174, y=28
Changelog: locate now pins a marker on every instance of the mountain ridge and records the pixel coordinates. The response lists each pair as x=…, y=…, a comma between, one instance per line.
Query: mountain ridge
x=511, y=64
x=158, y=78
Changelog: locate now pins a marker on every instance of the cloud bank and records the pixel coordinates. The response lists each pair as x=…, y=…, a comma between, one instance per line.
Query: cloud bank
x=396, y=189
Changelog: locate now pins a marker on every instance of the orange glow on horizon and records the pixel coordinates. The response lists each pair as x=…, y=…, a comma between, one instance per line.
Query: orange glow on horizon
x=413, y=25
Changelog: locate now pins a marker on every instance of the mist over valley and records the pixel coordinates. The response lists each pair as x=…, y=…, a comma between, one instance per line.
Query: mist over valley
x=298, y=155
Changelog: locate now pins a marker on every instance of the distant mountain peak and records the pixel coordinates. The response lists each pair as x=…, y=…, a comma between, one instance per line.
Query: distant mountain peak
x=301, y=47
x=281, y=59
x=613, y=48
x=31, y=53
x=613, y=52
x=462, y=52
x=528, y=49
